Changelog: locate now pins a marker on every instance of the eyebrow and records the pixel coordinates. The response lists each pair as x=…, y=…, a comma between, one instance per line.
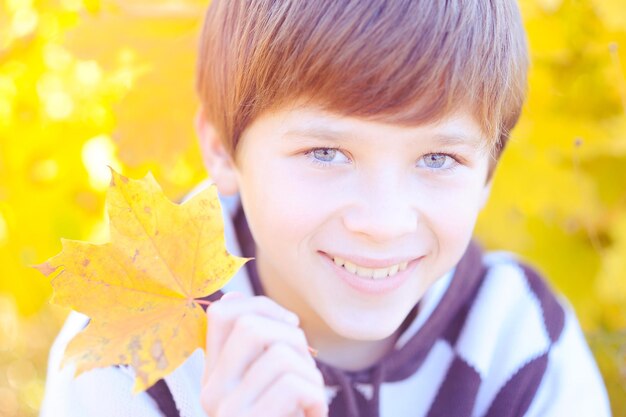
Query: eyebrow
x=454, y=139
x=317, y=133
x=441, y=139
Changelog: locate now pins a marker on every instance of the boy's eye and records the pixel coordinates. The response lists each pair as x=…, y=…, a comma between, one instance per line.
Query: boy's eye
x=324, y=154
x=439, y=161
x=435, y=160
x=327, y=156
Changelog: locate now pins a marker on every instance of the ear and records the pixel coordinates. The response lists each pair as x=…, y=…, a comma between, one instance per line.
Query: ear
x=216, y=158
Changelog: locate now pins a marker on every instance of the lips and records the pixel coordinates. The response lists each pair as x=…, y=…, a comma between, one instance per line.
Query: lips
x=377, y=276
x=372, y=273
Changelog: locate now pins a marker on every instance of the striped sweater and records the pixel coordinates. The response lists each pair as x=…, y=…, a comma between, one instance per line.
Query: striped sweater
x=488, y=339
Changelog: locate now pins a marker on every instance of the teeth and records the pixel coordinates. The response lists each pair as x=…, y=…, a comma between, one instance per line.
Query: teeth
x=350, y=266
x=364, y=272
x=372, y=273
x=380, y=273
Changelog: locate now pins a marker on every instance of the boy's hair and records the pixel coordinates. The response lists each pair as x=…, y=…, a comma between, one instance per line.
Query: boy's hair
x=399, y=61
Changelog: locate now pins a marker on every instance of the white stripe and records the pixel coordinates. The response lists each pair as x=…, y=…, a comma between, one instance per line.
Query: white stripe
x=572, y=384
x=184, y=384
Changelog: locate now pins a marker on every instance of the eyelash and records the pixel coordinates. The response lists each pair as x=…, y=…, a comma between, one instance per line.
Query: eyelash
x=456, y=158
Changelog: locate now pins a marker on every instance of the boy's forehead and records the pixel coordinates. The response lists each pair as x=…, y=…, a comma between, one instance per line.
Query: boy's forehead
x=458, y=129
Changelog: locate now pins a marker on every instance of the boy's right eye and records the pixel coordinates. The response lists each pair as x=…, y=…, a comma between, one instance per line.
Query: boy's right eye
x=327, y=156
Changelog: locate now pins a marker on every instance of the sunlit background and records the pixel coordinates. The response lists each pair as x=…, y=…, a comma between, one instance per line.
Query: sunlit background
x=90, y=83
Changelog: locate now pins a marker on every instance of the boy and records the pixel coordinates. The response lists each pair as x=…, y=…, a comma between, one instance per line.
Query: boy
x=357, y=140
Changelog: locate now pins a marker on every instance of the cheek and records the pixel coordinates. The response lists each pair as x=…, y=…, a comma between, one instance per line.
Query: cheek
x=282, y=207
x=454, y=215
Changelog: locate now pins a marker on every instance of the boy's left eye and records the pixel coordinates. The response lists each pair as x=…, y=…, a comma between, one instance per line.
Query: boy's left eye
x=439, y=161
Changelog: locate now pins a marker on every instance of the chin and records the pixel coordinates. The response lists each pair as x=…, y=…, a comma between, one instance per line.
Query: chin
x=365, y=329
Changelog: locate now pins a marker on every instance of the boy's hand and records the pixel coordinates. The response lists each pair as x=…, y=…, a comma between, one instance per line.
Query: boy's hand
x=258, y=363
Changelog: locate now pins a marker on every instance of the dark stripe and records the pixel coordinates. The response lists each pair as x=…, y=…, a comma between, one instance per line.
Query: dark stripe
x=163, y=397
x=515, y=396
x=553, y=314
x=457, y=394
x=452, y=332
x=248, y=249
x=468, y=276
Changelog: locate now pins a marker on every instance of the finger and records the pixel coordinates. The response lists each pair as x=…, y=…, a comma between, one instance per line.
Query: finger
x=222, y=314
x=250, y=336
x=246, y=344
x=277, y=360
x=290, y=394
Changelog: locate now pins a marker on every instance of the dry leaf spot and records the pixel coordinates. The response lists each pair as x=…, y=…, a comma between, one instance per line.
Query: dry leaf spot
x=137, y=364
x=134, y=344
x=158, y=355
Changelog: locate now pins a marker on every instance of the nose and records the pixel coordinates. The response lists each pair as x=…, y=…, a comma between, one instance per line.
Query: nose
x=381, y=209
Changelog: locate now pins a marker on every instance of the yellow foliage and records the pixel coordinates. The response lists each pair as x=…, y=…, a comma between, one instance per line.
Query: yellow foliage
x=612, y=12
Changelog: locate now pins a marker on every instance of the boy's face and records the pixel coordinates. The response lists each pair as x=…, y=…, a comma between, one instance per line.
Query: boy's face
x=316, y=186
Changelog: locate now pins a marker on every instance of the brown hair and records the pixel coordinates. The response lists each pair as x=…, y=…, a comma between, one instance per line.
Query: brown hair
x=400, y=61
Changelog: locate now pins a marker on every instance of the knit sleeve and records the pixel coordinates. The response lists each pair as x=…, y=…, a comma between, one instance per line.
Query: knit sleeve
x=97, y=393
x=571, y=384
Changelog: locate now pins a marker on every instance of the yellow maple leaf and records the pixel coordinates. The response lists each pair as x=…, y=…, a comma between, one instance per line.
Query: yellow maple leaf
x=141, y=289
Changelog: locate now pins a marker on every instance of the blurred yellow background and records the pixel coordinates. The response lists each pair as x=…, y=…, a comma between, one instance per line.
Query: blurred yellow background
x=90, y=83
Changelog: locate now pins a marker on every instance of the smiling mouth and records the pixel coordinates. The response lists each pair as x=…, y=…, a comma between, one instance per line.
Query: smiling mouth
x=372, y=273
